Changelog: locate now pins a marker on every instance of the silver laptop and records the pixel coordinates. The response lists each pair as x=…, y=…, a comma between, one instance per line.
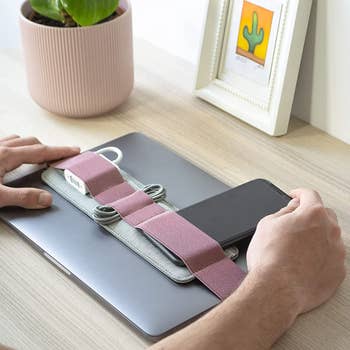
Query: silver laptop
x=103, y=266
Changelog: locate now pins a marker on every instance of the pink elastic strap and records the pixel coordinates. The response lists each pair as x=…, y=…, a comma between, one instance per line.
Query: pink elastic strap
x=99, y=175
x=202, y=255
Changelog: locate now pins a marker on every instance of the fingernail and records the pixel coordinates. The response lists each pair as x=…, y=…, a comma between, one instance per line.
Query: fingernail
x=294, y=202
x=44, y=199
x=76, y=149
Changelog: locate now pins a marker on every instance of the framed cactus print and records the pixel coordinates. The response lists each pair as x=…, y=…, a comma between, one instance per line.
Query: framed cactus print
x=254, y=31
x=252, y=40
x=250, y=58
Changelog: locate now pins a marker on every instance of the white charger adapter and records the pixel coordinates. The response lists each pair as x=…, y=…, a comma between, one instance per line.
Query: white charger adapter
x=78, y=183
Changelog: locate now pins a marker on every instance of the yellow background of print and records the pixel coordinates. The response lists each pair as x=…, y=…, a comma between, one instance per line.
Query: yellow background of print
x=264, y=21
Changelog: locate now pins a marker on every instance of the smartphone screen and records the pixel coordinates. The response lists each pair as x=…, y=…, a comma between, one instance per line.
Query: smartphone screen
x=234, y=214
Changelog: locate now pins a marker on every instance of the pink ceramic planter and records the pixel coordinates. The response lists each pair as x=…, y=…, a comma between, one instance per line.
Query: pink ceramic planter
x=79, y=72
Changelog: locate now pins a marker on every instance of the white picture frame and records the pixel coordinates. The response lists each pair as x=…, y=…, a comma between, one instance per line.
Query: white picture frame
x=262, y=96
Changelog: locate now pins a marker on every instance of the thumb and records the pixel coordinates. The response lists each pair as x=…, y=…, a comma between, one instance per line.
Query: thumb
x=292, y=205
x=30, y=198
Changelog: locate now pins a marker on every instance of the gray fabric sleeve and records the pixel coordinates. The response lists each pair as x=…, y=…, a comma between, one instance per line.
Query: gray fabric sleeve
x=130, y=236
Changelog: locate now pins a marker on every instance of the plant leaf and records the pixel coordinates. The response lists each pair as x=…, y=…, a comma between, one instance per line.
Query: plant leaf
x=88, y=12
x=48, y=8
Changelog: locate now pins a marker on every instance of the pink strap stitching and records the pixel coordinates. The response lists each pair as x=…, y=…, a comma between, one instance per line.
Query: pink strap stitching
x=202, y=255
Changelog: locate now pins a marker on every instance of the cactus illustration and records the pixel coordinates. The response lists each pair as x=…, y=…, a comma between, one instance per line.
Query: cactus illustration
x=254, y=38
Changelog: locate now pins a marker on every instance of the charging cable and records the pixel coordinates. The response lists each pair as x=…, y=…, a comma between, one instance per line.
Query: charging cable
x=106, y=215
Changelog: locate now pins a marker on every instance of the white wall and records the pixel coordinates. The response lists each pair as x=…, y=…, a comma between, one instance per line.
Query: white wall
x=323, y=91
x=173, y=25
x=9, y=31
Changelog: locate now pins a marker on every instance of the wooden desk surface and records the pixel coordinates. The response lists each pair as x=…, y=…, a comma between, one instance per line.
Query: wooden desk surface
x=40, y=308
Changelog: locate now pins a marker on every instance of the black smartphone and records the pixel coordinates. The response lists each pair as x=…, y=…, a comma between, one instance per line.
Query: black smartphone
x=233, y=215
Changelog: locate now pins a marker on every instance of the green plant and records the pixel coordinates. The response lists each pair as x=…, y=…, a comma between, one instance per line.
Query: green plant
x=75, y=12
x=254, y=38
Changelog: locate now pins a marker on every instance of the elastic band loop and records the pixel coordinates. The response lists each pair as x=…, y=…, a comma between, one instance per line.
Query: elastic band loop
x=107, y=215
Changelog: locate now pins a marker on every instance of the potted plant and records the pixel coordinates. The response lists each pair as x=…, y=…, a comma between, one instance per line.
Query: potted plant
x=78, y=54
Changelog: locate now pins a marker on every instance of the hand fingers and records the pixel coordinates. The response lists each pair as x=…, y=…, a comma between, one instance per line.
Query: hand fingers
x=30, y=198
x=21, y=141
x=11, y=137
x=34, y=154
x=292, y=205
x=306, y=197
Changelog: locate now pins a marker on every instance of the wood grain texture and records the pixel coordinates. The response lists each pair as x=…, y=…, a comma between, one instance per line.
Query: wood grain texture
x=41, y=309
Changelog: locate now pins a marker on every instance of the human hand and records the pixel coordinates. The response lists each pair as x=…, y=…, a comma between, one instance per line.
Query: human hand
x=301, y=247
x=15, y=151
x=296, y=262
